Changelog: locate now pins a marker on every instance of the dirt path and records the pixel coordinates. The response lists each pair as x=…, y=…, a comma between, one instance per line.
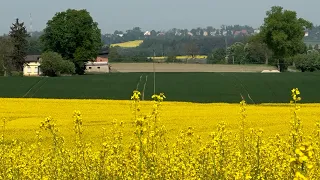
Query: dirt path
x=167, y=67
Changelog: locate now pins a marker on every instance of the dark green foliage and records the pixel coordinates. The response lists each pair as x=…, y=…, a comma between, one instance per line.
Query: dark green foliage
x=52, y=64
x=236, y=53
x=6, y=49
x=67, y=67
x=177, y=46
x=218, y=56
x=193, y=87
x=114, y=55
x=307, y=62
x=172, y=59
x=283, y=32
x=35, y=46
x=257, y=52
x=74, y=35
x=19, y=35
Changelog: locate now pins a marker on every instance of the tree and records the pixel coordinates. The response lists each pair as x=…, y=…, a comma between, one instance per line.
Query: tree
x=283, y=32
x=19, y=35
x=236, y=53
x=6, y=49
x=256, y=51
x=52, y=64
x=35, y=46
x=114, y=55
x=192, y=49
x=218, y=55
x=74, y=35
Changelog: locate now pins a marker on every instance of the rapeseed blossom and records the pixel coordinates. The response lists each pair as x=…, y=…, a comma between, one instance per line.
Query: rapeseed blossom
x=236, y=149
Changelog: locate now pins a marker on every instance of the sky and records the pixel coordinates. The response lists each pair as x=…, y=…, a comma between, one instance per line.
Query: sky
x=154, y=14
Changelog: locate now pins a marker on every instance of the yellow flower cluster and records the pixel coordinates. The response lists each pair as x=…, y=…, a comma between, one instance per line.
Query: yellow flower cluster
x=237, y=149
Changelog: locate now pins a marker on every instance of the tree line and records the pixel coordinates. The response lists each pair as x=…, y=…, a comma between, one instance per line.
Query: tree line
x=72, y=36
x=70, y=39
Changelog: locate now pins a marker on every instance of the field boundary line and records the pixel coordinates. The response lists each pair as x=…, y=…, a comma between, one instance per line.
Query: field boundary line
x=272, y=92
x=137, y=88
x=46, y=79
x=243, y=87
x=32, y=87
x=144, y=87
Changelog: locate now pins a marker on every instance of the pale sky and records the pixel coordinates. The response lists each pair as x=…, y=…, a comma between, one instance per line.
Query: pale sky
x=154, y=14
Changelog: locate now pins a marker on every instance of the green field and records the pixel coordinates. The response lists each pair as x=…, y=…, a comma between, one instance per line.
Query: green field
x=193, y=87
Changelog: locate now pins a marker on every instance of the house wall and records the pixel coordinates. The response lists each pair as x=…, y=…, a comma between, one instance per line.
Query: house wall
x=32, y=69
x=97, y=68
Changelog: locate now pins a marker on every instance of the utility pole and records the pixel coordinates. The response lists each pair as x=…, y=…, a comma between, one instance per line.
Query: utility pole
x=154, y=73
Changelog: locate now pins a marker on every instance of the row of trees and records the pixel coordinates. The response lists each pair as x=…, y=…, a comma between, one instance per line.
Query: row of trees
x=281, y=38
x=69, y=40
x=174, y=46
x=137, y=34
x=252, y=52
x=75, y=37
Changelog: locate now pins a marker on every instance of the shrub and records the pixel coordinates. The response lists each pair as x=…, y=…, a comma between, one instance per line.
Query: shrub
x=67, y=67
x=52, y=64
x=307, y=62
x=16, y=73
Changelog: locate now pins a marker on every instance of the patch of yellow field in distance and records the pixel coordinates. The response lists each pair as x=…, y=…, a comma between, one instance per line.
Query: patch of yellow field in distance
x=181, y=57
x=189, y=57
x=129, y=44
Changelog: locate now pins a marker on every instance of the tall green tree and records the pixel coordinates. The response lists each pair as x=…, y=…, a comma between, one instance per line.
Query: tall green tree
x=6, y=49
x=283, y=32
x=236, y=53
x=19, y=35
x=74, y=35
x=257, y=51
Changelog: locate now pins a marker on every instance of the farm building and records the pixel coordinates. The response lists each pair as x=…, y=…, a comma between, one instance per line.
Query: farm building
x=100, y=64
x=32, y=65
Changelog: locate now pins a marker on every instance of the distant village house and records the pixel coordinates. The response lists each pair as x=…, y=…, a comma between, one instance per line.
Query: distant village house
x=99, y=65
x=32, y=65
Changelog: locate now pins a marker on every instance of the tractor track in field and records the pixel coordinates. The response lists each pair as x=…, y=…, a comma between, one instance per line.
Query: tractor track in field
x=41, y=82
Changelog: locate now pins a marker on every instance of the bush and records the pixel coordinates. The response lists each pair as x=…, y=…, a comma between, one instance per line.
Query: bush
x=68, y=67
x=172, y=59
x=307, y=62
x=16, y=73
x=52, y=64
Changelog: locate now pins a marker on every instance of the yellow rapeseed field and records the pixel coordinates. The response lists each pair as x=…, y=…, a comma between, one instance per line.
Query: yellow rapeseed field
x=107, y=139
x=129, y=44
x=181, y=57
